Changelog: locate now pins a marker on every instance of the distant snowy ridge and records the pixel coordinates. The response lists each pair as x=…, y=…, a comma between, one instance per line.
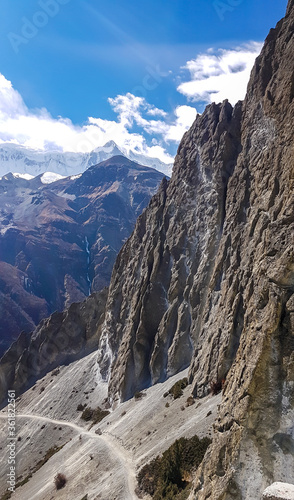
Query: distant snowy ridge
x=49, y=177
x=24, y=161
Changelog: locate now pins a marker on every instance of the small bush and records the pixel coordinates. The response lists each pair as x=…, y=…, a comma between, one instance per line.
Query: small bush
x=99, y=415
x=81, y=407
x=139, y=395
x=60, y=481
x=190, y=401
x=216, y=387
x=167, y=405
x=87, y=414
x=177, y=389
x=96, y=415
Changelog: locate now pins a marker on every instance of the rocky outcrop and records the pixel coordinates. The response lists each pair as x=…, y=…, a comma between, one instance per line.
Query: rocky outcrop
x=279, y=491
x=207, y=279
x=58, y=340
x=161, y=277
x=253, y=444
x=59, y=241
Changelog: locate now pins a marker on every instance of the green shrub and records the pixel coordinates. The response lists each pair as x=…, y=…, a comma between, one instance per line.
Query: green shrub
x=60, y=481
x=164, y=478
x=177, y=389
x=96, y=415
x=99, y=415
x=81, y=407
x=139, y=395
x=149, y=476
x=87, y=414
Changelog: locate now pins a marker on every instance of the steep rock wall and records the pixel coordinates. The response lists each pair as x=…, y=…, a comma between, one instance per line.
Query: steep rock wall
x=160, y=280
x=60, y=339
x=254, y=439
x=207, y=279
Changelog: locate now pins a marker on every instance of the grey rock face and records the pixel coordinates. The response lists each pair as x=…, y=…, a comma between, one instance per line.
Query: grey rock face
x=207, y=279
x=60, y=339
x=161, y=277
x=254, y=442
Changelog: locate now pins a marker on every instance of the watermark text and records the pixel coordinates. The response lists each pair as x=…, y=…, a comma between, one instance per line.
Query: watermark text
x=11, y=444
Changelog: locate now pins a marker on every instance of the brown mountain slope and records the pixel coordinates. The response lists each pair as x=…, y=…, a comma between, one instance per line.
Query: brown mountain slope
x=61, y=239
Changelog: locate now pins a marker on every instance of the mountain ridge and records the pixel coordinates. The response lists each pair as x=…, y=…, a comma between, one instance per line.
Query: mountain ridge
x=16, y=158
x=58, y=240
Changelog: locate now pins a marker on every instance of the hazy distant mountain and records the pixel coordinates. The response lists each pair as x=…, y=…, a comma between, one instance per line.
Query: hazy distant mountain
x=15, y=158
x=59, y=241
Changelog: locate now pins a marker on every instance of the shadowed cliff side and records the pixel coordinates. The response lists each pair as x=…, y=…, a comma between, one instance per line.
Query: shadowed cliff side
x=60, y=339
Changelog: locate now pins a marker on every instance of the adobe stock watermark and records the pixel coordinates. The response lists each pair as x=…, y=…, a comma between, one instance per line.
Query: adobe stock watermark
x=11, y=444
x=31, y=27
x=223, y=6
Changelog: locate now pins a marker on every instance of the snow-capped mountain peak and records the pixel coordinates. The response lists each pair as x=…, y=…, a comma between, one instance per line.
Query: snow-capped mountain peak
x=49, y=177
x=25, y=161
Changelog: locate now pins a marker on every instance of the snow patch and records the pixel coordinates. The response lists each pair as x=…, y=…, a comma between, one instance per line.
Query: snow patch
x=16, y=158
x=27, y=177
x=49, y=177
x=74, y=177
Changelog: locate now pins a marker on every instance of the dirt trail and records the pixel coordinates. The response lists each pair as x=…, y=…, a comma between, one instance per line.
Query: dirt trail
x=115, y=448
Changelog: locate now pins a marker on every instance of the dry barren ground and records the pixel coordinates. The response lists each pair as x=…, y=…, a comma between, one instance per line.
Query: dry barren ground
x=104, y=465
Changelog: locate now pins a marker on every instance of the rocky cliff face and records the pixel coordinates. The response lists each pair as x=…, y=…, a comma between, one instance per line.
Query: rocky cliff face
x=161, y=278
x=58, y=340
x=254, y=441
x=59, y=241
x=207, y=280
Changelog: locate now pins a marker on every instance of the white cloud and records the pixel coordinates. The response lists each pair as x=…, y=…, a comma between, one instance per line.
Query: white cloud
x=185, y=117
x=131, y=109
x=214, y=76
x=221, y=74
x=37, y=129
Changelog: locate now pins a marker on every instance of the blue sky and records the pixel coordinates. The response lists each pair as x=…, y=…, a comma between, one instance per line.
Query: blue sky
x=68, y=60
